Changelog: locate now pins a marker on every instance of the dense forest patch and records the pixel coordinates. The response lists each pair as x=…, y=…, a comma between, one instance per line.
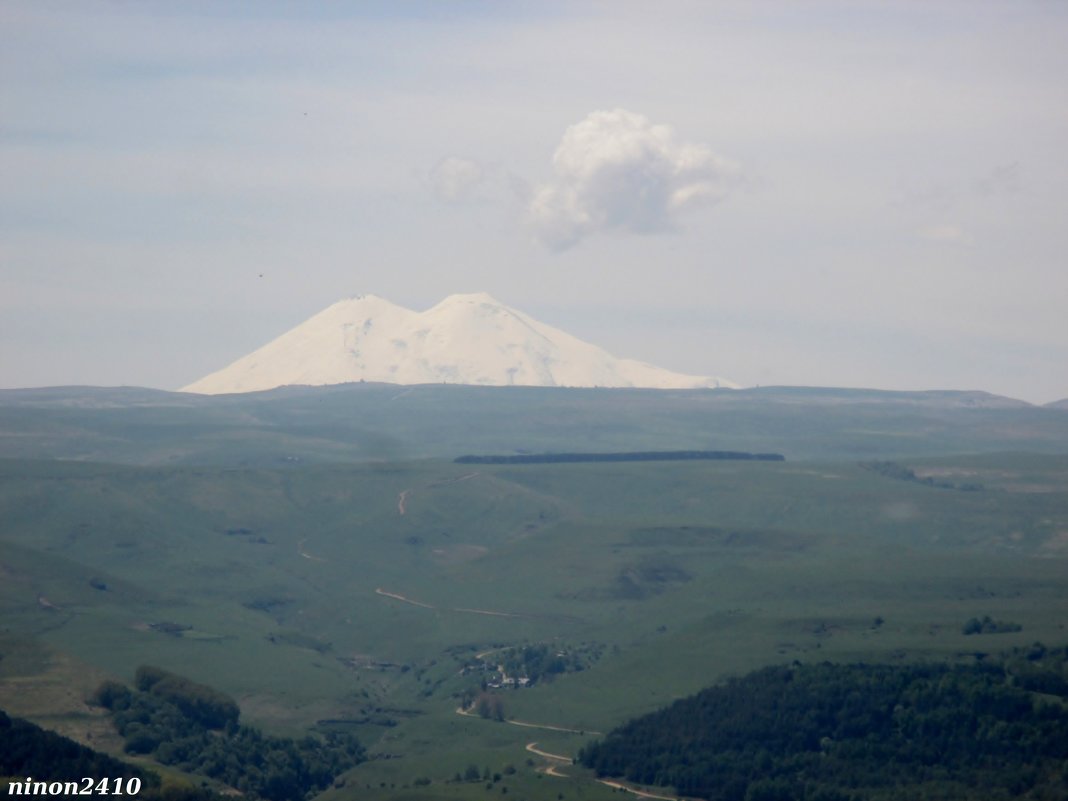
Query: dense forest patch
x=808, y=732
x=194, y=727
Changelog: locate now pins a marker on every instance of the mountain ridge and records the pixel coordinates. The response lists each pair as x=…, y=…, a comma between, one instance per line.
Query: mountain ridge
x=469, y=339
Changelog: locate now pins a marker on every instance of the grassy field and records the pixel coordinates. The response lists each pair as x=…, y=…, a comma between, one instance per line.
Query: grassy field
x=361, y=422
x=354, y=594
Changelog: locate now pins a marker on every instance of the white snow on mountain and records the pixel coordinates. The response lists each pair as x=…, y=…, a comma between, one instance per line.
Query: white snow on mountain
x=465, y=339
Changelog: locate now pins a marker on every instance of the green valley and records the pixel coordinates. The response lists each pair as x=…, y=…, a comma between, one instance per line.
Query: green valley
x=338, y=572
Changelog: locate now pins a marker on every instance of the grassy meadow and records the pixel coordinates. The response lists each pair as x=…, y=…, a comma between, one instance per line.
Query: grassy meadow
x=342, y=571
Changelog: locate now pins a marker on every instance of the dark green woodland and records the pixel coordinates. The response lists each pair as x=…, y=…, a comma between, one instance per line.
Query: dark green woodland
x=193, y=727
x=856, y=731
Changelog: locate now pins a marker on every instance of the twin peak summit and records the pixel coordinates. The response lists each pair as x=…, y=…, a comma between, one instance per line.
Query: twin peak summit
x=464, y=339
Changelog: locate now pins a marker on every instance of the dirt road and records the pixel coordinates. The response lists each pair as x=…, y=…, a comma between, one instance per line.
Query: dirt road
x=486, y=612
x=397, y=597
x=467, y=713
x=532, y=747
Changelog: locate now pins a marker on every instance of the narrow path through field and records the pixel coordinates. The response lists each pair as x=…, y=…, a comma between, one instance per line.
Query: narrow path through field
x=551, y=728
x=305, y=554
x=397, y=597
x=467, y=713
x=532, y=747
x=549, y=770
x=486, y=612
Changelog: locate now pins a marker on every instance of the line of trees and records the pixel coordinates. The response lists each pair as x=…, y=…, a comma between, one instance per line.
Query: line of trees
x=902, y=473
x=629, y=456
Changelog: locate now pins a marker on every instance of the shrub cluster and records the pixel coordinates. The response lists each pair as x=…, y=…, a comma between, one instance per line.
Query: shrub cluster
x=987, y=625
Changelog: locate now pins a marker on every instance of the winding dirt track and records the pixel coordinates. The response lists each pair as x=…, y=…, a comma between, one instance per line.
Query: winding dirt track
x=551, y=728
x=551, y=770
x=532, y=747
x=486, y=612
x=397, y=597
x=469, y=714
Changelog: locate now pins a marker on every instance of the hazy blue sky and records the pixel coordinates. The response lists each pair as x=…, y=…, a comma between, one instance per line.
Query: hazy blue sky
x=837, y=193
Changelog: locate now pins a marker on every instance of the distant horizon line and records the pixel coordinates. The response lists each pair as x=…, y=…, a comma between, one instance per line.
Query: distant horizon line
x=722, y=389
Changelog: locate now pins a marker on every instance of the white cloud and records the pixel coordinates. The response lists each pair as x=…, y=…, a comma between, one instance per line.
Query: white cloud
x=454, y=179
x=616, y=170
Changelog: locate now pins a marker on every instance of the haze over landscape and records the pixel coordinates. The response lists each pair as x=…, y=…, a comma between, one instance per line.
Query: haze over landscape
x=430, y=401
x=837, y=194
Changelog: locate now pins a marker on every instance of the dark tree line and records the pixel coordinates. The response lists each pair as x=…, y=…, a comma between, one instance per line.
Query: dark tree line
x=841, y=732
x=29, y=752
x=630, y=456
x=195, y=728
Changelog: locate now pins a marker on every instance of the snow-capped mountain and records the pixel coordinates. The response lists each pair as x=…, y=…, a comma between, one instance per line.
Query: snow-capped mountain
x=465, y=339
